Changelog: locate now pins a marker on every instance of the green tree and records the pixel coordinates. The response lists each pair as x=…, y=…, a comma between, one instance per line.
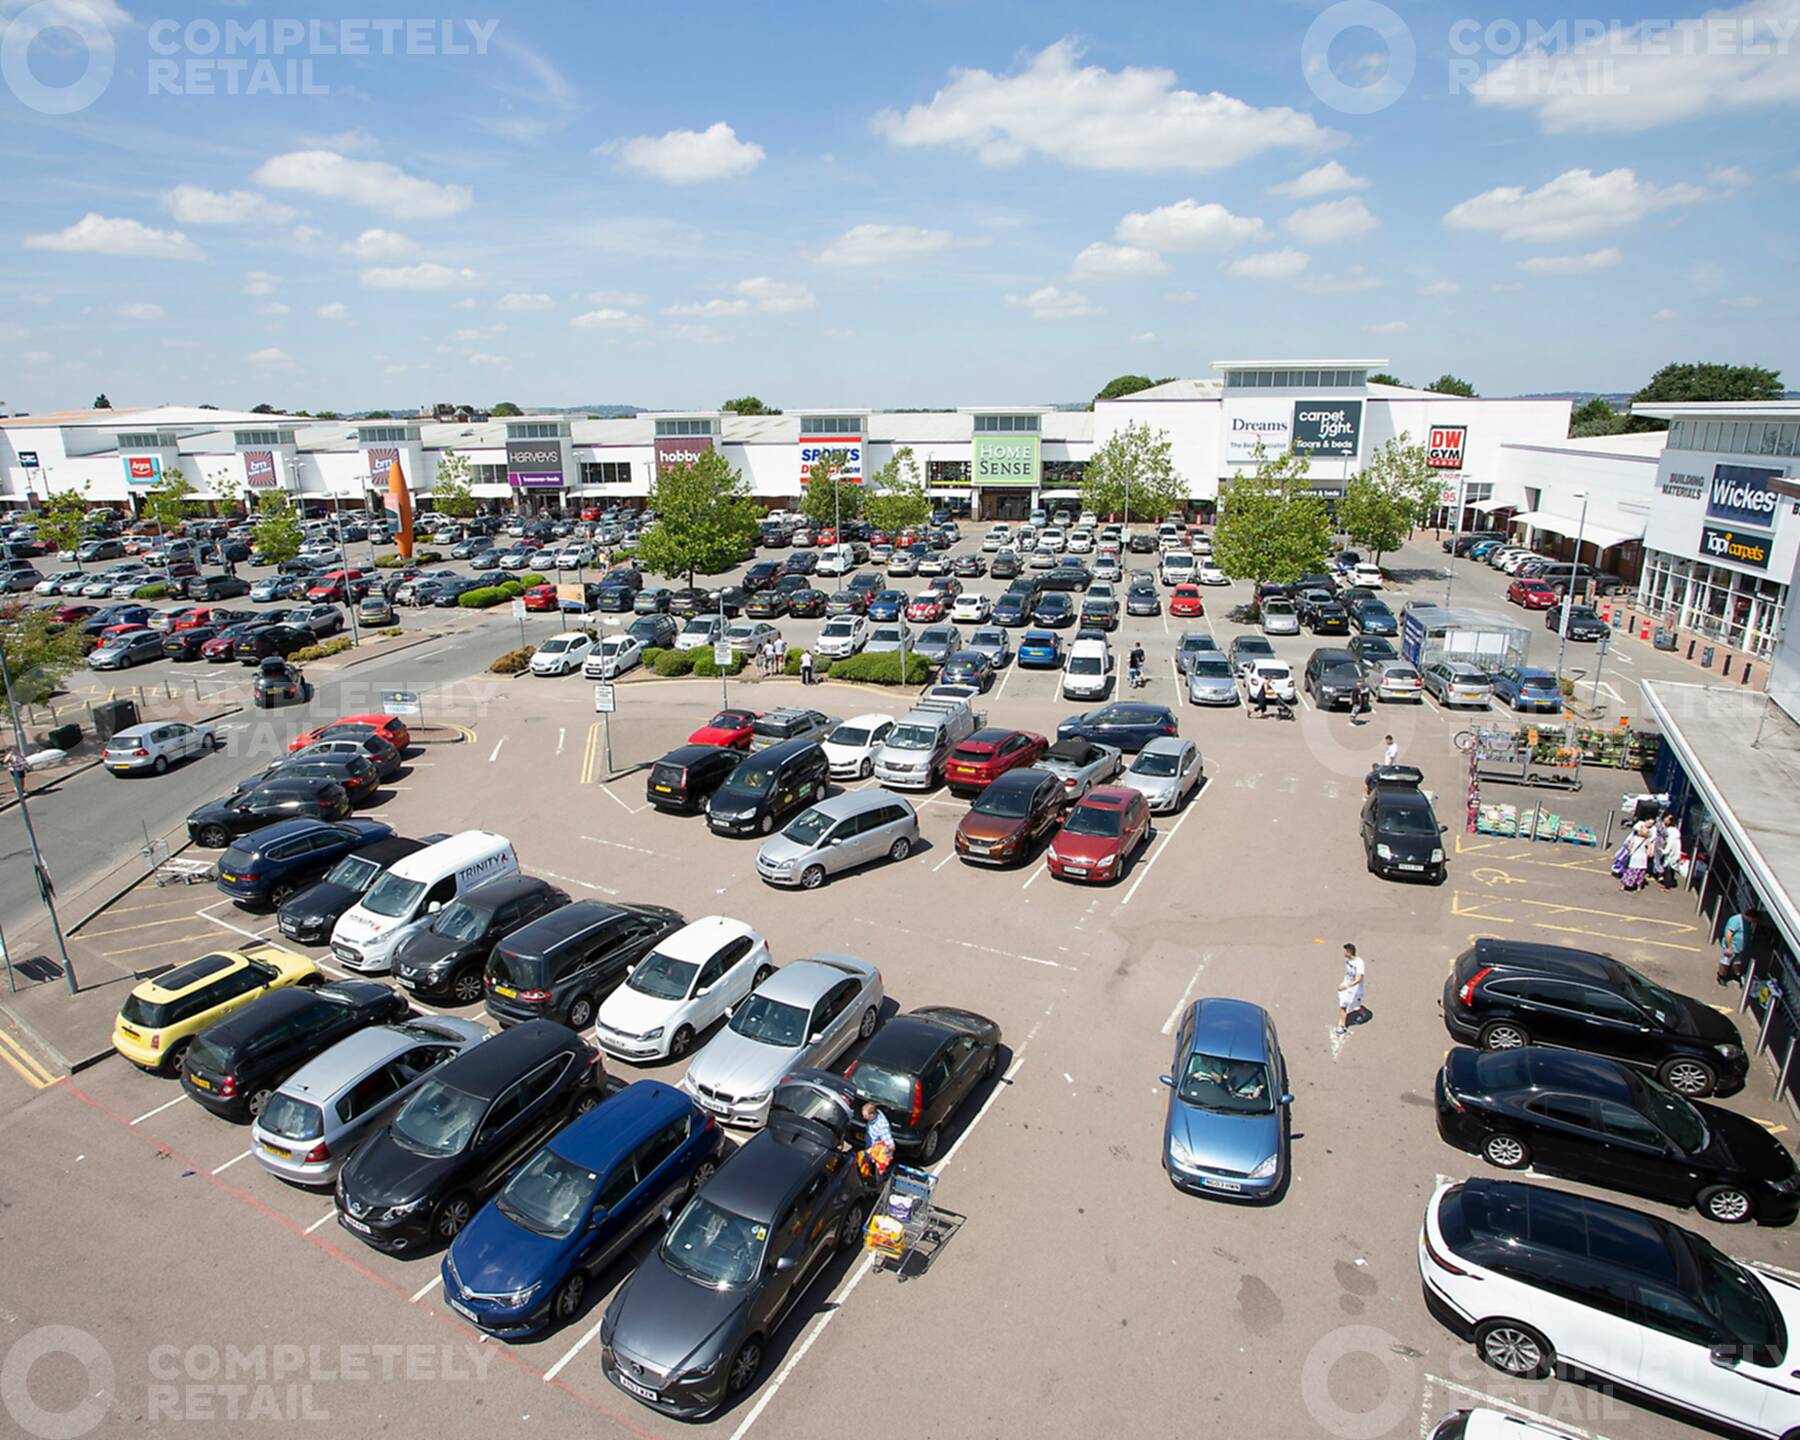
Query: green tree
x=169, y=502
x=1381, y=377
x=1271, y=526
x=748, y=405
x=1596, y=417
x=1448, y=384
x=60, y=519
x=1705, y=382
x=264, y=408
x=503, y=409
x=389, y=414
x=1131, y=473
x=896, y=498
x=1123, y=385
x=101, y=402
x=277, y=532
x=828, y=496
x=39, y=654
x=230, y=490
x=705, y=519
x=1373, y=516
x=450, y=488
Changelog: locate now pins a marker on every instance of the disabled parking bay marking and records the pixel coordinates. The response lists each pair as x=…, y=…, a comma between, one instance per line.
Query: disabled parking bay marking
x=1547, y=915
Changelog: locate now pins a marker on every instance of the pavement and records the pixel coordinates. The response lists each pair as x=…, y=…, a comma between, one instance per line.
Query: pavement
x=1080, y=1291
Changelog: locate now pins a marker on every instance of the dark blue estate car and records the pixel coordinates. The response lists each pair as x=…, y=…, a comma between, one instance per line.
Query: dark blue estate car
x=524, y=1262
x=888, y=605
x=276, y=861
x=1126, y=724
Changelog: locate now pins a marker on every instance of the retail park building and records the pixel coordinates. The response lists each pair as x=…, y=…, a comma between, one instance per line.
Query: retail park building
x=1692, y=515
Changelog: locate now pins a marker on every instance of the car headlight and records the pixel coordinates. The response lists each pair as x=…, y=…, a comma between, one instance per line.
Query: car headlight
x=760, y=1098
x=1437, y=857
x=1179, y=1152
x=1383, y=853
x=1730, y=1052
x=411, y=1207
x=1266, y=1169
x=655, y=1034
x=515, y=1298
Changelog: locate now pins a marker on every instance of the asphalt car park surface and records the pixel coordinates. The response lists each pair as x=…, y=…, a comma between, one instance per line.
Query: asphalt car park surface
x=1080, y=1288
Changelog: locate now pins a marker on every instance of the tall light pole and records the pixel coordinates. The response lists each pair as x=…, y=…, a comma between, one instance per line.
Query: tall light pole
x=1455, y=531
x=349, y=595
x=1562, y=637
x=46, y=891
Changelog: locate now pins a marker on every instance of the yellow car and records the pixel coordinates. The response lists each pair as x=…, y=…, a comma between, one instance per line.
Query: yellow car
x=162, y=1016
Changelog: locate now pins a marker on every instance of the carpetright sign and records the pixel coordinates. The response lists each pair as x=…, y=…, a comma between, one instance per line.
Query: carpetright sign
x=1006, y=460
x=1331, y=428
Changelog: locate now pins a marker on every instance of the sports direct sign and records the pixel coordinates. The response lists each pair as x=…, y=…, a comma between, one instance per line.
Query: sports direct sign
x=1444, y=446
x=845, y=451
x=1743, y=495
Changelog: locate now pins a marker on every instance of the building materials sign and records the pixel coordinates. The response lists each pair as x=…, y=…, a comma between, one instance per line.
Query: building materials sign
x=1744, y=495
x=534, y=464
x=1329, y=428
x=1735, y=547
x=846, y=451
x=1444, y=446
x=142, y=469
x=259, y=469
x=1006, y=460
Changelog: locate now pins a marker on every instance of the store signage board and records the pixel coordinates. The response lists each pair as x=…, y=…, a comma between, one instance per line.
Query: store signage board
x=1329, y=428
x=534, y=464
x=1006, y=460
x=1735, y=547
x=1250, y=423
x=846, y=451
x=1744, y=495
x=1444, y=446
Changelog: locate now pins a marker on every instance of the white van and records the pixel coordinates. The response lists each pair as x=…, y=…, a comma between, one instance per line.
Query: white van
x=412, y=891
x=1088, y=670
x=921, y=741
x=1178, y=567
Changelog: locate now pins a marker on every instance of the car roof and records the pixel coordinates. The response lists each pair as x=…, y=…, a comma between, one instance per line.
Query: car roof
x=760, y=1178
x=447, y=856
x=264, y=836
x=614, y=1129
x=907, y=1042
x=548, y=931
x=1172, y=744
x=857, y=802
x=701, y=939
x=1107, y=797
x=802, y=982
x=191, y=976
x=1508, y=1213
x=1230, y=1028
x=356, y=1054
x=494, y=1064
x=501, y=888
x=1532, y=957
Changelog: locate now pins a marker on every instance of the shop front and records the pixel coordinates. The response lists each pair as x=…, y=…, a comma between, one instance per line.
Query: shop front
x=1006, y=470
x=535, y=471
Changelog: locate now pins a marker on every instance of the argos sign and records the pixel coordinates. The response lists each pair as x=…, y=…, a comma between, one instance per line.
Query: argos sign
x=846, y=451
x=1743, y=495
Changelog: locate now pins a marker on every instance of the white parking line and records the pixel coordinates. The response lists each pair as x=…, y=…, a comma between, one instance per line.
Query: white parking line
x=562, y=735
x=575, y=1349
x=1037, y=873
x=232, y=1161
x=1174, y=830
x=585, y=884
x=945, y=861
x=494, y=754
x=324, y=1219
x=1003, y=679
x=167, y=1105
x=1555, y=1424
x=1181, y=1004
x=430, y=1285
x=618, y=845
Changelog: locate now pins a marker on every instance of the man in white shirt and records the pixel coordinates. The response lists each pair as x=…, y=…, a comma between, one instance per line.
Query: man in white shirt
x=1350, y=989
x=1392, y=754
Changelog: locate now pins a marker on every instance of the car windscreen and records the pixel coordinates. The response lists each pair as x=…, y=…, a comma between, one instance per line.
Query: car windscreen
x=1237, y=1087
x=773, y=1022
x=1086, y=665
x=438, y=1120
x=460, y=920
x=354, y=872
x=292, y=1118
x=1155, y=763
x=808, y=827
x=752, y=778
x=849, y=735
x=838, y=629
x=393, y=895
x=1407, y=820
x=550, y=1196
x=715, y=1246
x=1103, y=823
x=913, y=737
x=1739, y=1302
x=1007, y=802
x=662, y=976
x=1212, y=669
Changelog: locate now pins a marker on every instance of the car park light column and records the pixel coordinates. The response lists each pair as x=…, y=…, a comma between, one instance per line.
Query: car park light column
x=1562, y=637
x=350, y=601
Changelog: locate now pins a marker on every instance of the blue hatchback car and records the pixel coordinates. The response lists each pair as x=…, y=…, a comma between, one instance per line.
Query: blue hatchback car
x=524, y=1262
x=1226, y=1133
x=272, y=863
x=1040, y=650
x=1527, y=689
x=888, y=605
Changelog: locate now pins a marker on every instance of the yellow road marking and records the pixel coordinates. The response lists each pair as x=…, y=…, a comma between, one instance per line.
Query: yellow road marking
x=166, y=940
x=1528, y=852
x=1470, y=908
x=26, y=1064
x=143, y=925
x=590, y=753
x=1770, y=1125
x=1491, y=876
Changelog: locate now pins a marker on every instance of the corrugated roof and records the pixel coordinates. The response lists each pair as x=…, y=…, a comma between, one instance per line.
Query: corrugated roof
x=1176, y=390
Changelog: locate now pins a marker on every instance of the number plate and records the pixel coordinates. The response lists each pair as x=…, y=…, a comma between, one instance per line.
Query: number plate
x=666, y=789
x=356, y=1225
x=201, y=1082
x=643, y=1392
x=1222, y=1185
x=407, y=982
x=1411, y=867
x=278, y=1150
x=464, y=1311
x=1074, y=869
x=506, y=991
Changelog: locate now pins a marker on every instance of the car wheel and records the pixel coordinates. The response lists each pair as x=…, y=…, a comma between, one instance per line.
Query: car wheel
x=568, y=1299
x=765, y=825
x=160, y=765
x=212, y=742
x=257, y=1102
x=1725, y=1203
x=213, y=837
x=581, y=1012
x=851, y=1227
x=868, y=769
x=1686, y=1075
x=681, y=1041
x=867, y=1028
x=452, y=1214
x=703, y=1172
x=467, y=987
x=177, y=1053
x=1514, y=1349
x=584, y=1102
x=1506, y=1152
x=928, y=1147
x=763, y=972
x=812, y=877
x=900, y=849
x=281, y=892
x=744, y=1366
x=1503, y=1035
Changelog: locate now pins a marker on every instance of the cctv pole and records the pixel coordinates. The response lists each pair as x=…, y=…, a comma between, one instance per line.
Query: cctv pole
x=46, y=891
x=1455, y=531
x=1562, y=639
x=349, y=598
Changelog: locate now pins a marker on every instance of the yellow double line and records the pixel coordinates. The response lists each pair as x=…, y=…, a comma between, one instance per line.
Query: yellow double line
x=21, y=1060
x=590, y=755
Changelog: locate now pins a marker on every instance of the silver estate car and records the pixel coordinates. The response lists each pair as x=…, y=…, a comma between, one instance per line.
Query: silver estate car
x=1226, y=1133
x=841, y=833
x=1165, y=773
x=310, y=1126
x=1210, y=680
x=1450, y=683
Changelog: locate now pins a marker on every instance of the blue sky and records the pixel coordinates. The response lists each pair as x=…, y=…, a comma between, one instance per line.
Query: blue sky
x=881, y=204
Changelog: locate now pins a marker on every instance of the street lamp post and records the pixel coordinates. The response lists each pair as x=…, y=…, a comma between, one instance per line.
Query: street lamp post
x=1562, y=638
x=46, y=891
x=349, y=596
x=1455, y=531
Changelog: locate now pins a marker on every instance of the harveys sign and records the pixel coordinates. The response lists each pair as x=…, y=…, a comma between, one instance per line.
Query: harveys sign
x=1444, y=447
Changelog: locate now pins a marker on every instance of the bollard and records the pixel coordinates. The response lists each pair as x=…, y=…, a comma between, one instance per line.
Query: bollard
x=1725, y=674
x=1691, y=644
x=1744, y=679
x=1644, y=630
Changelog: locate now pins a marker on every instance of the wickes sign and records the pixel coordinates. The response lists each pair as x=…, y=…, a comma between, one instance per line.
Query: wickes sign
x=1743, y=495
x=1005, y=460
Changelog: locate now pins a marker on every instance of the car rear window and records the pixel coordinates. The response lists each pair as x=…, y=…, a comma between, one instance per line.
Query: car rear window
x=523, y=972
x=209, y=1054
x=776, y=727
x=149, y=1014
x=662, y=774
x=890, y=1089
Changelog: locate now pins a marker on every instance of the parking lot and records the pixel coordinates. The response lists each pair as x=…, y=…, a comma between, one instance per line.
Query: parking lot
x=1080, y=1285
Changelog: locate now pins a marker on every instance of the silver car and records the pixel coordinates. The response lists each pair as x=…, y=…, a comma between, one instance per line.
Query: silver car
x=993, y=643
x=841, y=833
x=885, y=639
x=1191, y=645
x=806, y=1014
x=1453, y=684
x=1210, y=681
x=936, y=643
x=1080, y=765
x=1165, y=773
x=1393, y=680
x=156, y=746
x=1279, y=617
x=310, y=1126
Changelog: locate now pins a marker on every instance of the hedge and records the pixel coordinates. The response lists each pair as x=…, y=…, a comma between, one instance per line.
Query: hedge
x=150, y=592
x=883, y=669
x=513, y=661
x=675, y=662
x=480, y=599
x=333, y=646
x=704, y=664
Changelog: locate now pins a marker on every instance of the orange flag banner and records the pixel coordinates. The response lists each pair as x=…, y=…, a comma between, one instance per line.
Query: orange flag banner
x=400, y=502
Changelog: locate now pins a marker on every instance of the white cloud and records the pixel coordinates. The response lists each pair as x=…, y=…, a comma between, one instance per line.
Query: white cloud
x=259, y=282
x=426, y=275
x=689, y=157
x=1188, y=225
x=345, y=142
x=1654, y=72
x=1103, y=261
x=523, y=300
x=1097, y=119
x=1326, y=179
x=839, y=332
x=1742, y=302
x=1331, y=220
x=1144, y=337
x=194, y=205
x=1348, y=281
x=608, y=319
x=1441, y=287
x=710, y=309
x=306, y=234
x=373, y=184
x=1666, y=314
x=37, y=357
x=1050, y=302
x=1707, y=276
x=776, y=297
x=1388, y=327
x=1577, y=203
x=1731, y=177
x=690, y=334
x=140, y=310
x=1573, y=264
x=466, y=303
x=271, y=359
x=274, y=307
x=616, y=297
x=1183, y=297
x=332, y=310
x=378, y=244
x=883, y=244
x=96, y=234
x=481, y=357
x=1270, y=265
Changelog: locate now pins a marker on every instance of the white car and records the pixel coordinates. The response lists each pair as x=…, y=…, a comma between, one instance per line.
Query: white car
x=575, y=557
x=156, y=746
x=999, y=538
x=1277, y=678
x=1052, y=540
x=1366, y=574
x=850, y=748
x=612, y=657
x=701, y=631
x=561, y=654
x=974, y=609
x=1087, y=673
x=834, y=560
x=1081, y=542
x=841, y=636
x=1178, y=567
x=748, y=636
x=1207, y=572
x=681, y=989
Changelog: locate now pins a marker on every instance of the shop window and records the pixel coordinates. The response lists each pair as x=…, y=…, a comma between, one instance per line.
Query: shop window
x=606, y=472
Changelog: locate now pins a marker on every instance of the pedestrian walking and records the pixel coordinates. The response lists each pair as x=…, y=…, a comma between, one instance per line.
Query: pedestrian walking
x=1137, y=667
x=1350, y=989
x=1358, y=694
x=1734, y=942
x=1670, y=872
x=1259, y=695
x=806, y=666
x=1390, y=755
x=1658, y=845
x=1632, y=864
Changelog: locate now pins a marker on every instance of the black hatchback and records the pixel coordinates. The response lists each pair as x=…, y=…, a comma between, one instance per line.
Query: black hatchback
x=1401, y=836
x=235, y=1065
x=263, y=802
x=1502, y=994
x=686, y=777
x=444, y=961
x=307, y=916
x=471, y=1122
x=920, y=1066
x=565, y=963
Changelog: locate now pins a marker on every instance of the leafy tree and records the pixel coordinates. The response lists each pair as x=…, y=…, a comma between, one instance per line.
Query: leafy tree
x=1373, y=516
x=39, y=654
x=748, y=405
x=327, y=415
x=60, y=519
x=1123, y=385
x=504, y=408
x=1596, y=417
x=1704, y=382
x=450, y=489
x=1271, y=526
x=265, y=408
x=389, y=414
x=169, y=502
x=277, y=531
x=1132, y=473
x=1448, y=384
x=1381, y=377
x=230, y=491
x=827, y=496
x=101, y=402
x=705, y=518
x=896, y=498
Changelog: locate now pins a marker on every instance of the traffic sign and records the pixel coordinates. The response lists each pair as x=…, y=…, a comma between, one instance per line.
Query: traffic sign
x=603, y=699
x=518, y=609
x=722, y=653
x=400, y=702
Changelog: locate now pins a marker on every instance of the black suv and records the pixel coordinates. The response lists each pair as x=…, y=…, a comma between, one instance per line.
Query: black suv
x=686, y=777
x=1400, y=832
x=767, y=787
x=1505, y=993
x=235, y=1065
x=1331, y=678
x=462, y=1131
x=566, y=962
x=443, y=961
x=278, y=797
x=919, y=1067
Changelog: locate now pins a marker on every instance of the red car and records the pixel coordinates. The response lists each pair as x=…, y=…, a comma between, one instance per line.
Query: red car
x=73, y=614
x=197, y=615
x=730, y=728
x=331, y=585
x=988, y=754
x=590, y=512
x=827, y=536
x=130, y=627
x=540, y=597
x=223, y=646
x=1100, y=835
x=1532, y=594
x=389, y=727
x=1186, y=600
x=927, y=609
